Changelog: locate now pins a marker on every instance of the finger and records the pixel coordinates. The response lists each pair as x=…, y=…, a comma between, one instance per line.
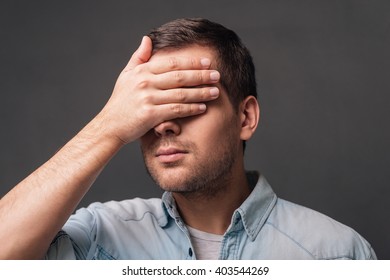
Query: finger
x=187, y=78
x=141, y=55
x=185, y=95
x=160, y=66
x=179, y=110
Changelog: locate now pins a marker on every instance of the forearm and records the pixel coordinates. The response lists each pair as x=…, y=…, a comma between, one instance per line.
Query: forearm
x=36, y=209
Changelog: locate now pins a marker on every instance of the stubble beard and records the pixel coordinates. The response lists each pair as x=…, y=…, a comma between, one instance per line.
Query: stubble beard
x=205, y=178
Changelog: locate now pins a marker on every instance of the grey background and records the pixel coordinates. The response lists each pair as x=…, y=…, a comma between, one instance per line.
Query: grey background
x=323, y=75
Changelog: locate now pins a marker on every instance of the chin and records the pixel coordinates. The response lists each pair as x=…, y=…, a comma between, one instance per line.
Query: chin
x=173, y=184
x=172, y=179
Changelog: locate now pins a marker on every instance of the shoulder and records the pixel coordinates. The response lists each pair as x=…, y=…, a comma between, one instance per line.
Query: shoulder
x=319, y=235
x=104, y=227
x=131, y=209
x=114, y=215
x=117, y=212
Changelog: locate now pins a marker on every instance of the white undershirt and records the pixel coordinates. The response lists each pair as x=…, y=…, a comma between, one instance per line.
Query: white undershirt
x=206, y=245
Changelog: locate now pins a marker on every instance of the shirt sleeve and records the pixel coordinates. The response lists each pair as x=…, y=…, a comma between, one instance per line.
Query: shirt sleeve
x=369, y=251
x=61, y=248
x=76, y=240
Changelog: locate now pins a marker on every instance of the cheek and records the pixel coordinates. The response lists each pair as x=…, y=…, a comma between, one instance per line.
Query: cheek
x=218, y=132
x=146, y=142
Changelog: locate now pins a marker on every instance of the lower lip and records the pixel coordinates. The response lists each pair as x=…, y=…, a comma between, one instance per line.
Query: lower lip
x=171, y=157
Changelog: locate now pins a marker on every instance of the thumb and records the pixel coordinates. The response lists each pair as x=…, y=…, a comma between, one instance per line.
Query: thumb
x=141, y=55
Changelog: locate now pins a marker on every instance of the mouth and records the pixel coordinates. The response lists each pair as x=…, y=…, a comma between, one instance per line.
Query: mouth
x=170, y=154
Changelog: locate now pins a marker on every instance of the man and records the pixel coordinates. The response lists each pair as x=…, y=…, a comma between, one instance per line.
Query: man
x=189, y=94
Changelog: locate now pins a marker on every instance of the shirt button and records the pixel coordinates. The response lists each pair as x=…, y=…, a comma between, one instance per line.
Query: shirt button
x=190, y=252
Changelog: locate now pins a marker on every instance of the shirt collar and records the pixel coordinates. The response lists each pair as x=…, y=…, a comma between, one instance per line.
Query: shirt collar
x=169, y=206
x=252, y=213
x=255, y=210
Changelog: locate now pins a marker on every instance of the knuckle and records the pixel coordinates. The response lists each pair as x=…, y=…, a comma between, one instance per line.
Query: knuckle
x=138, y=69
x=191, y=110
x=147, y=99
x=177, y=109
x=178, y=76
x=204, y=93
x=193, y=63
x=180, y=95
x=143, y=84
x=199, y=77
x=147, y=111
x=172, y=63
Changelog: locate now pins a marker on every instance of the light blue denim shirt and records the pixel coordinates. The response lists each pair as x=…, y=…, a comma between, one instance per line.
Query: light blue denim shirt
x=263, y=227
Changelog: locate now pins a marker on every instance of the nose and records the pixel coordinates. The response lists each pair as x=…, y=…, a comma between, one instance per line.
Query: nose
x=168, y=128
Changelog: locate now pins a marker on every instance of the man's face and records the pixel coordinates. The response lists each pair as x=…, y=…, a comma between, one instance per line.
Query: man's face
x=194, y=154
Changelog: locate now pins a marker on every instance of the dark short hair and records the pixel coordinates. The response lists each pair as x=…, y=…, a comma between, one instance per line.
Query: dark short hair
x=234, y=61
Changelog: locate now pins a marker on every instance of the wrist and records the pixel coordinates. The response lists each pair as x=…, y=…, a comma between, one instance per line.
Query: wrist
x=101, y=132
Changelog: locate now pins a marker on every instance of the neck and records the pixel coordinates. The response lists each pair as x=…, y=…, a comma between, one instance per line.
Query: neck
x=212, y=211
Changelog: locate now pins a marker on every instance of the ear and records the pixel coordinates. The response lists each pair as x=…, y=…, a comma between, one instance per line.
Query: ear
x=249, y=117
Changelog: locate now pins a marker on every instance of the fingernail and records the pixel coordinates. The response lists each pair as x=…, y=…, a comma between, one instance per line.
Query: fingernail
x=202, y=107
x=205, y=62
x=214, y=76
x=214, y=92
